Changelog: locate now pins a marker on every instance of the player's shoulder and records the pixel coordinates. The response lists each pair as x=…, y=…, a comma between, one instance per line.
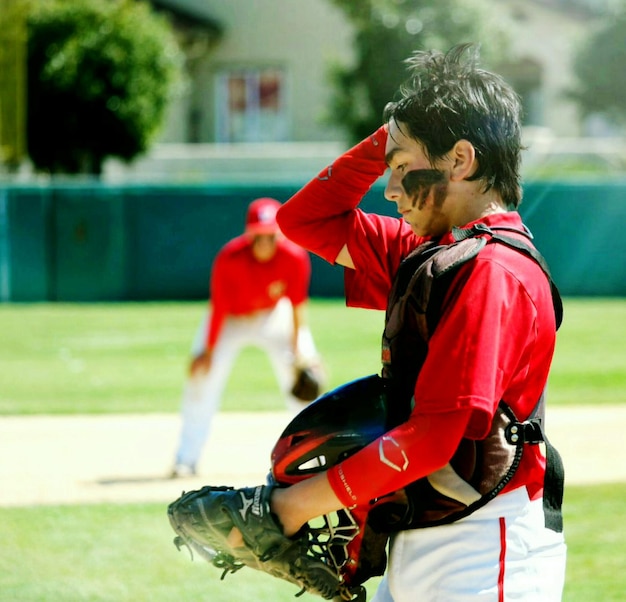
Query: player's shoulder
x=236, y=244
x=505, y=262
x=234, y=248
x=507, y=227
x=518, y=253
x=502, y=269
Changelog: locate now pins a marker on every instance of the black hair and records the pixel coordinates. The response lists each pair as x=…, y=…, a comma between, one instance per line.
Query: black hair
x=446, y=98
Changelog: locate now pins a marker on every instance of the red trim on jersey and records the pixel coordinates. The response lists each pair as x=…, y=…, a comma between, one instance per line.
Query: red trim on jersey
x=502, y=560
x=241, y=285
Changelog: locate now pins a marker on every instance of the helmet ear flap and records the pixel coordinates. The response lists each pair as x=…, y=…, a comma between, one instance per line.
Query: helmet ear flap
x=333, y=427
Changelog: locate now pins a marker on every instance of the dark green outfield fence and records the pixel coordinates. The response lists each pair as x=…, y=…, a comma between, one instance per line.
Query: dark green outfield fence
x=107, y=243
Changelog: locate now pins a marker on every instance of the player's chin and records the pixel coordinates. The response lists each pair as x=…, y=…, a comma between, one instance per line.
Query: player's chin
x=417, y=230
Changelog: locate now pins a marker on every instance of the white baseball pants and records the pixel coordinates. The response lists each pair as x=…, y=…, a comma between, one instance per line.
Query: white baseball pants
x=500, y=553
x=269, y=330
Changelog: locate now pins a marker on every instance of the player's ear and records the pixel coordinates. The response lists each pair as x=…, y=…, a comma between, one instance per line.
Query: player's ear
x=463, y=156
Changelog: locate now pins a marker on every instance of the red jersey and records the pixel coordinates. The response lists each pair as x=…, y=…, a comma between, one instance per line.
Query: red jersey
x=495, y=338
x=241, y=285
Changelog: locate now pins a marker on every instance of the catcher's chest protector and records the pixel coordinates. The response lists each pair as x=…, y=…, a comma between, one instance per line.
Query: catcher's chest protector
x=479, y=470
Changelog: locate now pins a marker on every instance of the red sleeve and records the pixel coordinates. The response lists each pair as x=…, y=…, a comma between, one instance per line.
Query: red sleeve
x=219, y=299
x=317, y=216
x=408, y=452
x=300, y=277
x=377, y=245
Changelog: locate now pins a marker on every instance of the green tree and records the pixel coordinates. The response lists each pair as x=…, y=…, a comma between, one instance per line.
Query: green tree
x=12, y=83
x=599, y=69
x=100, y=76
x=387, y=32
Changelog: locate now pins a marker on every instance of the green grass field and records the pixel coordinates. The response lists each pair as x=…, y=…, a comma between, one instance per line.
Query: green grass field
x=99, y=358
x=93, y=358
x=103, y=358
x=124, y=553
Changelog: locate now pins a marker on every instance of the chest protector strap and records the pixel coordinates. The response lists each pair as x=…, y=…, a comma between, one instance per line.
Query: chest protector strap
x=479, y=470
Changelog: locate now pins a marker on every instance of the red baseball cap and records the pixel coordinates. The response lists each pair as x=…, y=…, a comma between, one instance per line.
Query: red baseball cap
x=261, y=217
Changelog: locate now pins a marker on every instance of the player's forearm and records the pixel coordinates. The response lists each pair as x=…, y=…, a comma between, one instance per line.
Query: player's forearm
x=298, y=504
x=412, y=450
x=405, y=454
x=299, y=321
x=215, y=326
x=316, y=217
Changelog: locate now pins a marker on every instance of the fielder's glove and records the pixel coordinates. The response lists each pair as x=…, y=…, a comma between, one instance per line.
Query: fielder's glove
x=203, y=519
x=307, y=384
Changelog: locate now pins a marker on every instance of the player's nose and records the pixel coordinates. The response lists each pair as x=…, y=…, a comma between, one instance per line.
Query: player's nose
x=393, y=189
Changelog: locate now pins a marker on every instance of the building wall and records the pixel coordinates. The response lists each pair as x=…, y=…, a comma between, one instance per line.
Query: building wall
x=301, y=36
x=550, y=37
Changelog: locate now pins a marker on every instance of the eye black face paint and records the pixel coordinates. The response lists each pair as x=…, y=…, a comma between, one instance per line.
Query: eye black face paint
x=420, y=182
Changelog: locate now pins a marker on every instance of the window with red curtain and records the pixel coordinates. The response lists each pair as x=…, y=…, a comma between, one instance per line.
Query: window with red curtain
x=251, y=105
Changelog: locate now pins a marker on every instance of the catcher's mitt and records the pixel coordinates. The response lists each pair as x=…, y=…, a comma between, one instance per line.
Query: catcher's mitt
x=203, y=519
x=307, y=384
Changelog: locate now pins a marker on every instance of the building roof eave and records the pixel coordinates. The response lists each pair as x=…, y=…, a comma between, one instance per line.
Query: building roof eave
x=189, y=19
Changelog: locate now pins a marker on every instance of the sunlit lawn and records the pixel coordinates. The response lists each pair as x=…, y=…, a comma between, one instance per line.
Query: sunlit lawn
x=96, y=358
x=124, y=553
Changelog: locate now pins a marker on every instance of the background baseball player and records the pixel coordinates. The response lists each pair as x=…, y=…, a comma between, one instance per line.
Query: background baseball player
x=258, y=296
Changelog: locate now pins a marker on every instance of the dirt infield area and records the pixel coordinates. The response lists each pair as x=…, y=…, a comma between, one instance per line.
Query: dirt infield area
x=127, y=458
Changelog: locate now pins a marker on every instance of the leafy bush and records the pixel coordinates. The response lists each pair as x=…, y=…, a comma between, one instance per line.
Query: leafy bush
x=599, y=69
x=100, y=75
x=387, y=32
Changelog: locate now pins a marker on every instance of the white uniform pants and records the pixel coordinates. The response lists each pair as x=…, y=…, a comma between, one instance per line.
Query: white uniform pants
x=500, y=553
x=269, y=330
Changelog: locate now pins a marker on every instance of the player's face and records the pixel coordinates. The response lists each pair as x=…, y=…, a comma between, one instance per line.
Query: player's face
x=423, y=207
x=264, y=246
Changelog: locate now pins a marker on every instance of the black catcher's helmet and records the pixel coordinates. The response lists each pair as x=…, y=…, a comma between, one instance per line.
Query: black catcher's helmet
x=330, y=429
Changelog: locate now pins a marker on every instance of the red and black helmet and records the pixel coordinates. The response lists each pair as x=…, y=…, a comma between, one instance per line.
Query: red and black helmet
x=330, y=429
x=333, y=427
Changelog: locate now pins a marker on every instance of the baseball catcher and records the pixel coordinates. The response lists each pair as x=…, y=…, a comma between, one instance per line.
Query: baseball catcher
x=331, y=559
x=336, y=557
